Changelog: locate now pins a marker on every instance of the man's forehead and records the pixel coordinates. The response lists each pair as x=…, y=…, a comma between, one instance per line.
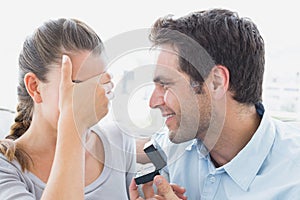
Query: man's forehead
x=166, y=73
x=167, y=61
x=168, y=56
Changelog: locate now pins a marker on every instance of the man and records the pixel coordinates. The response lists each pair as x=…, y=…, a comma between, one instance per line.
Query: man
x=208, y=85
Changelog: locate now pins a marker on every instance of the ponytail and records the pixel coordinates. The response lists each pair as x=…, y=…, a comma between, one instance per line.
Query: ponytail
x=8, y=147
x=22, y=120
x=12, y=152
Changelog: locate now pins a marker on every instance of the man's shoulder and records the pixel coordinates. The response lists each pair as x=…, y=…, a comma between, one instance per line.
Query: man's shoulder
x=287, y=142
x=287, y=131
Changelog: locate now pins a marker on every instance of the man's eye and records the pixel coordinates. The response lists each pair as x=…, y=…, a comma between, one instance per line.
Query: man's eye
x=164, y=85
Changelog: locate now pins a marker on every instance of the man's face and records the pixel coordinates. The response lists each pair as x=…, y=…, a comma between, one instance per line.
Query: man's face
x=187, y=113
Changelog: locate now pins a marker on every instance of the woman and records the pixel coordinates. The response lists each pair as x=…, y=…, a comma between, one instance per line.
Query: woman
x=54, y=150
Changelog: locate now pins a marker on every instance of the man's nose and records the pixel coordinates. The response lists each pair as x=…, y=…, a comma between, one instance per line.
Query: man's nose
x=157, y=98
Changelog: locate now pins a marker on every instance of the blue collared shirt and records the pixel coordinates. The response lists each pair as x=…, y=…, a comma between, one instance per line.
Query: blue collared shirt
x=267, y=168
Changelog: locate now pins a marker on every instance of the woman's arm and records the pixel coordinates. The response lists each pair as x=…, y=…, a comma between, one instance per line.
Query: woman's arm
x=81, y=106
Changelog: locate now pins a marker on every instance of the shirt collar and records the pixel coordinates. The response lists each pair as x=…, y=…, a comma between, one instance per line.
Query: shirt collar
x=245, y=165
x=252, y=155
x=200, y=148
x=191, y=145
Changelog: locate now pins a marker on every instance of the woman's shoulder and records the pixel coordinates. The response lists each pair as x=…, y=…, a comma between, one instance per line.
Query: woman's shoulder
x=9, y=167
x=113, y=133
x=4, y=162
x=117, y=145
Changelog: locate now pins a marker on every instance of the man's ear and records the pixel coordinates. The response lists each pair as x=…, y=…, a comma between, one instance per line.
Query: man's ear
x=32, y=86
x=219, y=81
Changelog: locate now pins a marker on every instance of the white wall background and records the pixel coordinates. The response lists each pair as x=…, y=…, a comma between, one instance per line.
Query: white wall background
x=277, y=22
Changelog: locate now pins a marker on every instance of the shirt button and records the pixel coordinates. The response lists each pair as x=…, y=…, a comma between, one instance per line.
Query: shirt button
x=212, y=179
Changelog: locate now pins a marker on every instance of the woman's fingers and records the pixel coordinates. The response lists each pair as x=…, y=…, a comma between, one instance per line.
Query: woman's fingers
x=65, y=81
x=105, y=78
x=66, y=70
x=105, y=82
x=108, y=87
x=86, y=100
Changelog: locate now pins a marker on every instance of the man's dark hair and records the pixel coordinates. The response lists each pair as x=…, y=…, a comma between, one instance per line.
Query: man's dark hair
x=229, y=40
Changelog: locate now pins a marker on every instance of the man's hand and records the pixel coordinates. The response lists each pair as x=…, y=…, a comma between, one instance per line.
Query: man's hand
x=165, y=191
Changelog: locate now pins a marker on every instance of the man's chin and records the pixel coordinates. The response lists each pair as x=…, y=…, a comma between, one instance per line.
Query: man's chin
x=176, y=138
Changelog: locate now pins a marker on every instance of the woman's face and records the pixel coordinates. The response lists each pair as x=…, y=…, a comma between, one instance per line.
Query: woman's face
x=84, y=66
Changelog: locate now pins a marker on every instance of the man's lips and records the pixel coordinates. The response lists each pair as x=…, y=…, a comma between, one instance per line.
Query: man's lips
x=169, y=117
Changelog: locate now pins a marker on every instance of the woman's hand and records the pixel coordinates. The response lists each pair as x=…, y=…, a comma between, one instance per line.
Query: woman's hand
x=85, y=102
x=165, y=191
x=81, y=105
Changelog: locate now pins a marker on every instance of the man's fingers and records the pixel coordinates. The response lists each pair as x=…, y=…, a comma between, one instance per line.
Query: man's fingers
x=148, y=190
x=157, y=197
x=133, y=190
x=164, y=188
x=177, y=188
x=179, y=191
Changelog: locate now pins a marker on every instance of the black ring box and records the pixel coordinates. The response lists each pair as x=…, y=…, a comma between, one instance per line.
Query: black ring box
x=157, y=157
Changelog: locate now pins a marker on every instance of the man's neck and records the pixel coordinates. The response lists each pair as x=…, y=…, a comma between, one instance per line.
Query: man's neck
x=241, y=122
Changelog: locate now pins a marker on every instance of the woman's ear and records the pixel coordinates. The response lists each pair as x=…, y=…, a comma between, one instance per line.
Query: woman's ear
x=219, y=81
x=32, y=87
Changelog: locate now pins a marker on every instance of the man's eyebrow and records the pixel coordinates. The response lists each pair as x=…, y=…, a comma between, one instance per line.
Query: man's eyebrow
x=157, y=79
x=162, y=79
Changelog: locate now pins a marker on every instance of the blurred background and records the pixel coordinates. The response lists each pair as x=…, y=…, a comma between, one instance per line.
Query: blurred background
x=278, y=24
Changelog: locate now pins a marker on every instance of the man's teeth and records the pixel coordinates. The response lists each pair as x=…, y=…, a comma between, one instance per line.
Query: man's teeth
x=170, y=115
